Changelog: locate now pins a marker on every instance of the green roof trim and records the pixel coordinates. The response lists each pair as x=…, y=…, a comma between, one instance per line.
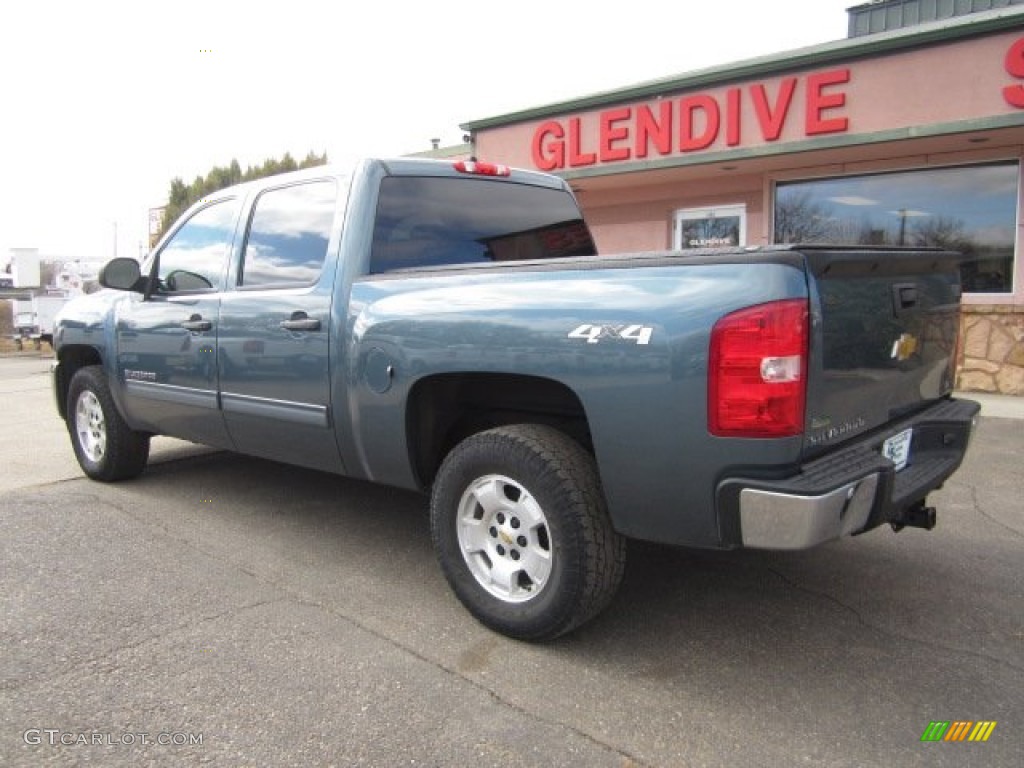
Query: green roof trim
x=956, y=28
x=442, y=153
x=810, y=145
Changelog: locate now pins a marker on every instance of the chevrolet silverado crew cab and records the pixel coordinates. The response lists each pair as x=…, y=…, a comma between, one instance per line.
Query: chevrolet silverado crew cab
x=448, y=327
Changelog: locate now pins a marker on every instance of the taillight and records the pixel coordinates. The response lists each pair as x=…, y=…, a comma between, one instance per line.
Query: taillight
x=477, y=168
x=757, y=371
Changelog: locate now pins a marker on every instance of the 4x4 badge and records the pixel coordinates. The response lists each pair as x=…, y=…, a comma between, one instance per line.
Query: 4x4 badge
x=592, y=334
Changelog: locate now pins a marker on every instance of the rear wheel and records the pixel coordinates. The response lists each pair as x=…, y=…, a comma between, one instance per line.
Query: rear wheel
x=106, y=447
x=521, y=529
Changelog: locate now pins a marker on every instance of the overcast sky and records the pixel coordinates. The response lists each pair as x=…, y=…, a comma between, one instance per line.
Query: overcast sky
x=103, y=102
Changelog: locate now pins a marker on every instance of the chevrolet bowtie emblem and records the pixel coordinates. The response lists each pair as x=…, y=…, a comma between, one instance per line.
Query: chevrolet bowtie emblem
x=904, y=347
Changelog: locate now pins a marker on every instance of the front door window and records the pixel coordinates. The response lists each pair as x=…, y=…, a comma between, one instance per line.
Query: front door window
x=195, y=257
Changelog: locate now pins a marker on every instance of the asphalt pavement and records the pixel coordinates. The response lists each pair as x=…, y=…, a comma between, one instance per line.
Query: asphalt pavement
x=222, y=610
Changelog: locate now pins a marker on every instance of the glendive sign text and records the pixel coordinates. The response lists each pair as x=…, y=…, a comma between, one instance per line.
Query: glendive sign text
x=695, y=122
x=1014, y=94
x=798, y=106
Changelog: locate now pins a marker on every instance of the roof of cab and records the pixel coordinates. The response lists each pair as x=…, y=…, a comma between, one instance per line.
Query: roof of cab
x=398, y=166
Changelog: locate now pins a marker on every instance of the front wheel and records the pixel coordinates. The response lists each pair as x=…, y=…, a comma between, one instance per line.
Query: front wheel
x=521, y=530
x=106, y=447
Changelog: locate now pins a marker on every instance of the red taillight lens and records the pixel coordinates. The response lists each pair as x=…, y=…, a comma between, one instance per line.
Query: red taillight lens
x=757, y=371
x=477, y=168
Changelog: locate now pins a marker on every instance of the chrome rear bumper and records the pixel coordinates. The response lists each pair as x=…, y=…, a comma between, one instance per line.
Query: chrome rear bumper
x=770, y=520
x=851, y=489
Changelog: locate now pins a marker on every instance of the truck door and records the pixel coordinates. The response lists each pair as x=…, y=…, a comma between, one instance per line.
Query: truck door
x=275, y=329
x=167, y=341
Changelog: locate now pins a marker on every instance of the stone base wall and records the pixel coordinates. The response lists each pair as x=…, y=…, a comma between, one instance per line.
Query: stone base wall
x=991, y=350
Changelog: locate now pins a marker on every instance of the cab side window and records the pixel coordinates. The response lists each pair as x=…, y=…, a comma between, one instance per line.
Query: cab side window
x=288, y=235
x=196, y=256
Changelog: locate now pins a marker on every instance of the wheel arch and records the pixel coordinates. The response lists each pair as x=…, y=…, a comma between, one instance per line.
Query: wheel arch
x=444, y=409
x=71, y=359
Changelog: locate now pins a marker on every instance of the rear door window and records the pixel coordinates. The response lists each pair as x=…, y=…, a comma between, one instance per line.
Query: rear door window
x=426, y=222
x=288, y=235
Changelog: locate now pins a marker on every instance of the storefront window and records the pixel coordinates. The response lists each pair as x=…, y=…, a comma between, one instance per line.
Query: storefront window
x=972, y=209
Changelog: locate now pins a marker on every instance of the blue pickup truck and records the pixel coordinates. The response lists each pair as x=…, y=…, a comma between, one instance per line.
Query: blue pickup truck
x=449, y=327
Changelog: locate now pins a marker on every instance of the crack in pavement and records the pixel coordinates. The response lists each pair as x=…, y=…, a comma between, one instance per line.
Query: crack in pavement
x=631, y=761
x=154, y=461
x=111, y=653
x=978, y=508
x=886, y=630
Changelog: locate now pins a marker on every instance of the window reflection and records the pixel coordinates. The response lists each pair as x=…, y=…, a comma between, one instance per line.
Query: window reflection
x=288, y=236
x=195, y=257
x=969, y=209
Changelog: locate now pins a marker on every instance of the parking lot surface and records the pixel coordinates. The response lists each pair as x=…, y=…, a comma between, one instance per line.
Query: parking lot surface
x=228, y=611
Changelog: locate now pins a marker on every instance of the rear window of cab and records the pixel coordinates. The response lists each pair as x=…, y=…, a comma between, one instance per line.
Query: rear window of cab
x=433, y=221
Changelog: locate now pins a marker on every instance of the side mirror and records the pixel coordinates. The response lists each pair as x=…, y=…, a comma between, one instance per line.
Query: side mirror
x=122, y=274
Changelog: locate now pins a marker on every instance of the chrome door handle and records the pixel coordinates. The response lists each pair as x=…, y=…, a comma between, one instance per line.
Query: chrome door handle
x=196, y=324
x=300, y=321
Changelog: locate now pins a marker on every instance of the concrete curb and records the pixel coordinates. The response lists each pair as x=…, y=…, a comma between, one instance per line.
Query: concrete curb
x=996, y=406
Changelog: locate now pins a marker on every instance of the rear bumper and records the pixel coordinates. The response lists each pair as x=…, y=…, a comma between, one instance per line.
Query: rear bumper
x=850, y=490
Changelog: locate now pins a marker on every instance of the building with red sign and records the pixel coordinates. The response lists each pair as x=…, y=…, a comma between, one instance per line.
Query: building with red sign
x=912, y=135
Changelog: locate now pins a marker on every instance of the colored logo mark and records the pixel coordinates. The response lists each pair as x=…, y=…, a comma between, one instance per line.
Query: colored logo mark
x=958, y=730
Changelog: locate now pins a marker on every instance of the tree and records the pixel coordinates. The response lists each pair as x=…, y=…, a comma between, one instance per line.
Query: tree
x=6, y=319
x=943, y=231
x=800, y=219
x=181, y=195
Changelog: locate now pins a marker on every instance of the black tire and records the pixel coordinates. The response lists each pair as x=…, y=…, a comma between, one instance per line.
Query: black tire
x=537, y=555
x=106, y=447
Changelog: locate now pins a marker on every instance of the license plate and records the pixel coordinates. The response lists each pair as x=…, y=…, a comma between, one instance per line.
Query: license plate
x=897, y=448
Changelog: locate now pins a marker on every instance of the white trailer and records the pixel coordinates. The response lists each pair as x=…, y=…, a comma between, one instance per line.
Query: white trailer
x=34, y=319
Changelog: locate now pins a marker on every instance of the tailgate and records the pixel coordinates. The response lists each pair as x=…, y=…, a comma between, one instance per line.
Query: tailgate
x=884, y=336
